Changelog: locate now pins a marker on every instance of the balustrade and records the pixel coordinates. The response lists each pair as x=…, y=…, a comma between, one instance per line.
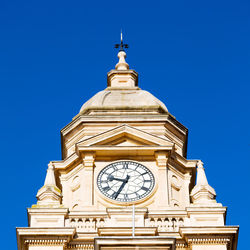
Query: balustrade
x=165, y=224
x=86, y=224
x=91, y=224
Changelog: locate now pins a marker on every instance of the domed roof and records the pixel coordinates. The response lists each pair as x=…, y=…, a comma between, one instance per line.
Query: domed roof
x=122, y=94
x=123, y=100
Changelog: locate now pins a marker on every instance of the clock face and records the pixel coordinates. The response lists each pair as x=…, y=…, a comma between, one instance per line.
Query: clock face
x=125, y=181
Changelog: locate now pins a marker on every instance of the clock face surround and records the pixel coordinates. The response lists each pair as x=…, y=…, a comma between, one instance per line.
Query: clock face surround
x=125, y=181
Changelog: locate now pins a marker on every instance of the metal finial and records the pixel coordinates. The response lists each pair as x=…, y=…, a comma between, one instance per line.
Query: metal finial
x=122, y=45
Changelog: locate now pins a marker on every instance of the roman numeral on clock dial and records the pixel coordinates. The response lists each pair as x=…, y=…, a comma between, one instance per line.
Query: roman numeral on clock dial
x=106, y=189
x=144, y=188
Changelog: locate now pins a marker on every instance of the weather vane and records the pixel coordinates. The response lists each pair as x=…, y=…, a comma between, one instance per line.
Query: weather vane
x=122, y=45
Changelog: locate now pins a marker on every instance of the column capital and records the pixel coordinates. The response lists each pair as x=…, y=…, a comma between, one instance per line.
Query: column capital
x=187, y=177
x=161, y=158
x=89, y=159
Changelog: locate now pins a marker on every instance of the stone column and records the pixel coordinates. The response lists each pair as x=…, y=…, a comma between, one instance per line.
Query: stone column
x=186, y=196
x=88, y=185
x=163, y=187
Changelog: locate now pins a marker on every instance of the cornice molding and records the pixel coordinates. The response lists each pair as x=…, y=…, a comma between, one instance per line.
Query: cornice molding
x=181, y=245
x=220, y=235
x=83, y=246
x=46, y=242
x=44, y=236
x=113, y=118
x=120, y=131
x=209, y=240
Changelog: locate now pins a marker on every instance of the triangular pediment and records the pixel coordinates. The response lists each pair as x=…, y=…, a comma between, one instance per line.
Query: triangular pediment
x=125, y=135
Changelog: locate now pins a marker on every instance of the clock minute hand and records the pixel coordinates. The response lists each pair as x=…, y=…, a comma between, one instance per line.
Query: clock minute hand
x=121, y=187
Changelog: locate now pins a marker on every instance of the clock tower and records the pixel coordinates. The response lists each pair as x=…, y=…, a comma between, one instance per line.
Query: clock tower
x=124, y=181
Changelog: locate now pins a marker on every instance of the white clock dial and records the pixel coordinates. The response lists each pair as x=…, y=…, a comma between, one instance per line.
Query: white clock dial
x=125, y=181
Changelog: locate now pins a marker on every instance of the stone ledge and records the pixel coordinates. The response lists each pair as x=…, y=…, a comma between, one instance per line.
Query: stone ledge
x=127, y=231
x=209, y=230
x=221, y=235
x=116, y=243
x=55, y=231
x=44, y=236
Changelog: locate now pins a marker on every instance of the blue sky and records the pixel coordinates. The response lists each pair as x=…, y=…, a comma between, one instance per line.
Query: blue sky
x=192, y=55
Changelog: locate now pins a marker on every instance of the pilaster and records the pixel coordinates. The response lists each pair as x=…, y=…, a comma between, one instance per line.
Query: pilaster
x=163, y=182
x=88, y=185
x=186, y=197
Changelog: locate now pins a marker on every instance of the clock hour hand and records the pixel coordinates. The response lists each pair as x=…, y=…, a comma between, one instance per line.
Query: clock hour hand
x=111, y=178
x=115, y=195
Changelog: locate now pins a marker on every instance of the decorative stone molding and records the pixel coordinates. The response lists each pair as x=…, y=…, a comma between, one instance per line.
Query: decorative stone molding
x=75, y=183
x=223, y=236
x=161, y=159
x=80, y=246
x=86, y=224
x=89, y=159
x=46, y=242
x=181, y=245
x=165, y=224
x=32, y=236
x=137, y=242
x=75, y=171
x=127, y=231
x=209, y=240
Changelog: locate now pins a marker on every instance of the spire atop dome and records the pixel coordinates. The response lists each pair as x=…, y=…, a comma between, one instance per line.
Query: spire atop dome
x=122, y=77
x=122, y=64
x=122, y=95
x=122, y=45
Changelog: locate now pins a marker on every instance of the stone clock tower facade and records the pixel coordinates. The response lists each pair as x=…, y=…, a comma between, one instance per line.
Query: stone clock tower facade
x=124, y=181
